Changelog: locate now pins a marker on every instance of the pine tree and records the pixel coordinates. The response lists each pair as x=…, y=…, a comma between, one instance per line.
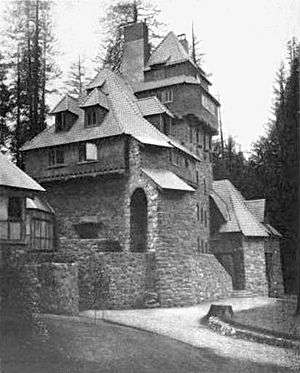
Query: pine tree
x=76, y=78
x=5, y=107
x=30, y=44
x=117, y=16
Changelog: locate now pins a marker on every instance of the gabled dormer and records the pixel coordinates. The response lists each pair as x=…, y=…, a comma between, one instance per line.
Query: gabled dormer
x=66, y=112
x=95, y=108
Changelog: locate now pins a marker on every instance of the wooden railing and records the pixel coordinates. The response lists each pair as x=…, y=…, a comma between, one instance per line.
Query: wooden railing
x=12, y=230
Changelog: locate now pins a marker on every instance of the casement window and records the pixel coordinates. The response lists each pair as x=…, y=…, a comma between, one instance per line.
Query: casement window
x=167, y=96
x=206, y=247
x=60, y=121
x=42, y=234
x=87, y=152
x=11, y=219
x=205, y=218
x=197, y=135
x=90, y=117
x=56, y=157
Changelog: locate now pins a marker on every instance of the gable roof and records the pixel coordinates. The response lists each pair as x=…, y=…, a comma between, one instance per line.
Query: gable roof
x=67, y=103
x=13, y=177
x=152, y=105
x=239, y=218
x=96, y=97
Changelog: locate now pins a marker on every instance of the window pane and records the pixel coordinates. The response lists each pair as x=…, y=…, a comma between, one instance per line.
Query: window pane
x=82, y=153
x=14, y=208
x=59, y=156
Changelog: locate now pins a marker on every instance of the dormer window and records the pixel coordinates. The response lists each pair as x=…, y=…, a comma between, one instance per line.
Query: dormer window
x=167, y=96
x=94, y=115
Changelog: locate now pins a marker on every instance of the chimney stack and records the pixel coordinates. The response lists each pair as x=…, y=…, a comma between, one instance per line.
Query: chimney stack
x=136, y=51
x=183, y=41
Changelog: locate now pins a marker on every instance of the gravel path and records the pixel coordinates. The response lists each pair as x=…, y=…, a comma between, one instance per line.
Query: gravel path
x=184, y=324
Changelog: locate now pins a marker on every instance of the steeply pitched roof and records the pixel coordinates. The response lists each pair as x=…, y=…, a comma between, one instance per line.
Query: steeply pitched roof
x=169, y=51
x=96, y=97
x=124, y=117
x=12, y=176
x=36, y=204
x=152, y=105
x=146, y=86
x=257, y=208
x=67, y=103
x=167, y=180
x=240, y=218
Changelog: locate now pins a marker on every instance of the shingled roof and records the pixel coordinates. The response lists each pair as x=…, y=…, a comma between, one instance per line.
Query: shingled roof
x=234, y=208
x=67, y=103
x=13, y=177
x=151, y=106
x=96, y=97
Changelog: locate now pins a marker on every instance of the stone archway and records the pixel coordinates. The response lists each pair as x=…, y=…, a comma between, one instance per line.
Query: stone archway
x=138, y=221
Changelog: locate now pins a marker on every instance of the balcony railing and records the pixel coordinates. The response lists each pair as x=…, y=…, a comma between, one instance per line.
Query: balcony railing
x=12, y=230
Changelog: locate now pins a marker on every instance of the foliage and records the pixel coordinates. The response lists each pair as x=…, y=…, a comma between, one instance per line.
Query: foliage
x=29, y=44
x=76, y=77
x=5, y=107
x=118, y=15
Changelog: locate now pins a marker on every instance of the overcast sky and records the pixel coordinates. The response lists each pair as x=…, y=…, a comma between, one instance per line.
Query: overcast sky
x=243, y=41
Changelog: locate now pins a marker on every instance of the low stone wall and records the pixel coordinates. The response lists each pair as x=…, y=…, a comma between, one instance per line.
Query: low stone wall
x=192, y=280
x=275, y=278
x=110, y=280
x=58, y=290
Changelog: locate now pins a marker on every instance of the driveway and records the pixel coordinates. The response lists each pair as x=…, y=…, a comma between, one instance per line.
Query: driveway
x=183, y=324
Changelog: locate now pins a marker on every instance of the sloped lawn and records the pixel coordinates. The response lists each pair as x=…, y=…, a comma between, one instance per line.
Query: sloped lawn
x=279, y=318
x=79, y=347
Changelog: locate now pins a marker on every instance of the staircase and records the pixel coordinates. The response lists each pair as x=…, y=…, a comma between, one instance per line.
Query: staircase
x=243, y=294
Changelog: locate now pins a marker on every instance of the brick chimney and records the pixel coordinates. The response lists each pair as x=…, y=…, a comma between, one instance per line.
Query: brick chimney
x=183, y=41
x=136, y=51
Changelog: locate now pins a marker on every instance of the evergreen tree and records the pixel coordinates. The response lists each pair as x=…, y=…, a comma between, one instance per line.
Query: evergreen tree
x=5, y=107
x=30, y=44
x=76, y=78
x=117, y=16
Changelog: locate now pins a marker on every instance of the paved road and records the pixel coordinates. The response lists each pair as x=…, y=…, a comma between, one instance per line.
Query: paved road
x=108, y=348
x=184, y=324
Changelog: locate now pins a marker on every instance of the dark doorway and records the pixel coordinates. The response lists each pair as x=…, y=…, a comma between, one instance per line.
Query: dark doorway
x=234, y=265
x=138, y=221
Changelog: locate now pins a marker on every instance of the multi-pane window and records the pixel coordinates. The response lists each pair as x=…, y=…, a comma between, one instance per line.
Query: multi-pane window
x=91, y=117
x=56, y=157
x=41, y=234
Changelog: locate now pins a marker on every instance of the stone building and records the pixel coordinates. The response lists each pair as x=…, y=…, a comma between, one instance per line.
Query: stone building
x=244, y=243
x=127, y=169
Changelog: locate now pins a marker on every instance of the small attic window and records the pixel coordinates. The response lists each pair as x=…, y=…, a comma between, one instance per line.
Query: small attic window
x=60, y=121
x=94, y=115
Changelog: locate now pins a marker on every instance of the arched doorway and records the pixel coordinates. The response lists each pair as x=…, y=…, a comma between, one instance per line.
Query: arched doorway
x=138, y=221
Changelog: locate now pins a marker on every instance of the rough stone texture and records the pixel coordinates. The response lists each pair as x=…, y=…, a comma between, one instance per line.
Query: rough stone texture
x=58, y=288
x=255, y=266
x=274, y=269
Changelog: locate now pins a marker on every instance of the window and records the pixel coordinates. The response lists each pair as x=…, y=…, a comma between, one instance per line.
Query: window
x=94, y=118
x=90, y=117
x=56, y=157
x=198, y=212
x=206, y=247
x=42, y=234
x=186, y=162
x=14, y=208
x=87, y=152
x=197, y=135
x=167, y=96
x=197, y=177
x=204, y=186
x=60, y=121
x=202, y=215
